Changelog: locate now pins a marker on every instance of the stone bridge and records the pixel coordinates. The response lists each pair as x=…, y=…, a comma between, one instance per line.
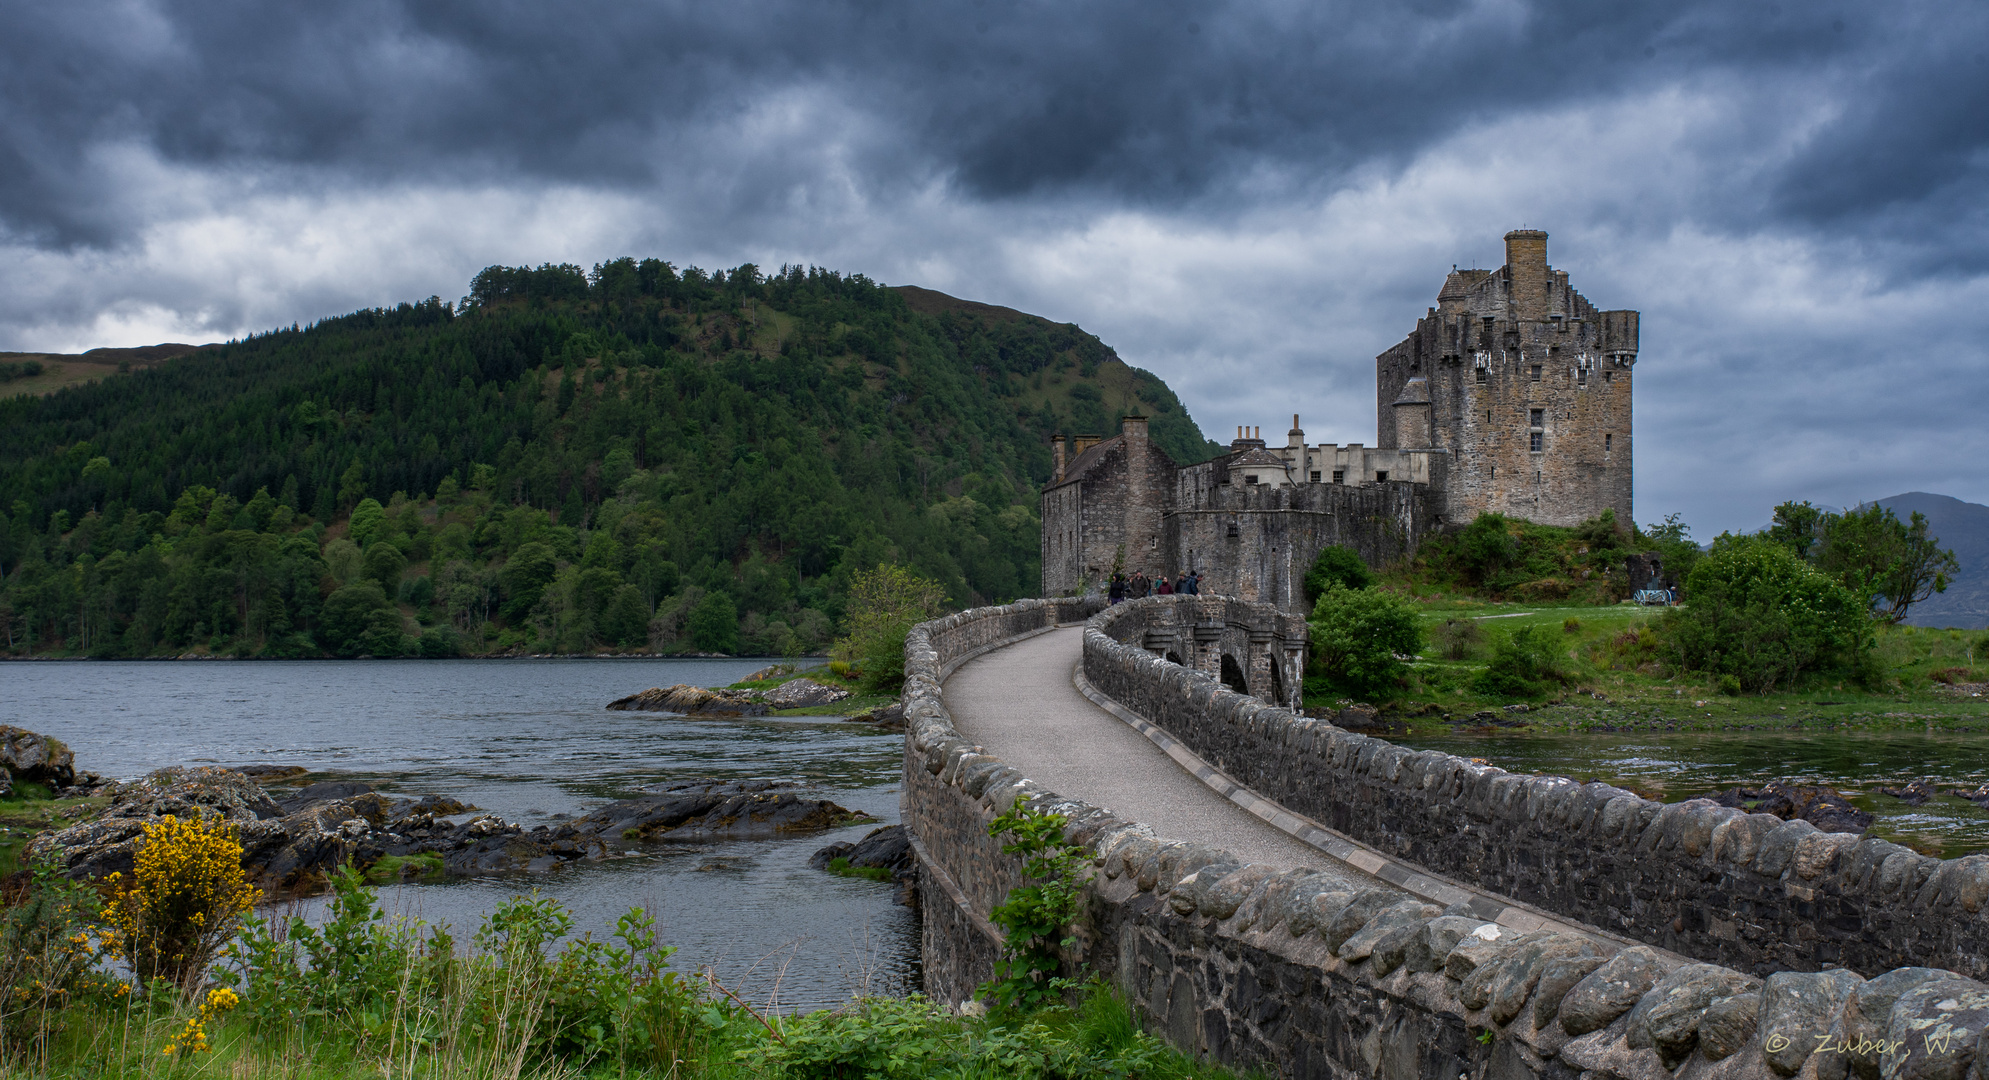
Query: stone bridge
x=1275, y=892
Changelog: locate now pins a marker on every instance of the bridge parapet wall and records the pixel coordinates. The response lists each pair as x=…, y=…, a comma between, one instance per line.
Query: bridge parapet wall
x=1746, y=890
x=1288, y=972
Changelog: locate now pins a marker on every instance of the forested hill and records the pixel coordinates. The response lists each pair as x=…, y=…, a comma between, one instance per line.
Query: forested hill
x=632, y=457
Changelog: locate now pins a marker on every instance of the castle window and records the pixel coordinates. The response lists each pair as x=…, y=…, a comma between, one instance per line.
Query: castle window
x=1606, y=441
x=1315, y=476
x=1339, y=476
x=1537, y=417
x=1533, y=441
x=1581, y=377
x=1381, y=477
x=1605, y=376
x=1484, y=375
x=1536, y=373
x=1250, y=479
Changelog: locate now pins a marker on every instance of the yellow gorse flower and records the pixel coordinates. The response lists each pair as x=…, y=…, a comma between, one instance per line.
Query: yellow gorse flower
x=185, y=892
x=192, y=1039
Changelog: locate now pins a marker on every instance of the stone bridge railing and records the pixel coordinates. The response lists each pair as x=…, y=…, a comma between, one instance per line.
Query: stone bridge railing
x=1258, y=968
x=1747, y=890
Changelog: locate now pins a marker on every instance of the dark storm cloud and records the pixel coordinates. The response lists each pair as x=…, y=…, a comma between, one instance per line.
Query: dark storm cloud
x=1160, y=103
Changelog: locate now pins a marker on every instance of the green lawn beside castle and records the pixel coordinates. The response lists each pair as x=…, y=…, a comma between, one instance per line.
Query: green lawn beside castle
x=1795, y=630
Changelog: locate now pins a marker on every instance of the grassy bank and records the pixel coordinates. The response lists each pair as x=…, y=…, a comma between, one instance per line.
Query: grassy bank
x=526, y=995
x=1618, y=681
x=30, y=810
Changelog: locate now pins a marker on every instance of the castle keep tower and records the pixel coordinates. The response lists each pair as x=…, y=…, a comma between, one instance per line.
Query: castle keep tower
x=1524, y=384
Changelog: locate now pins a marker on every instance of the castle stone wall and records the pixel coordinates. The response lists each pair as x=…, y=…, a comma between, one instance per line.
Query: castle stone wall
x=1256, y=542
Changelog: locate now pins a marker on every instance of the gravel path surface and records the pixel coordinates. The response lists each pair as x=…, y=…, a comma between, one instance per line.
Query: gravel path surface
x=1019, y=703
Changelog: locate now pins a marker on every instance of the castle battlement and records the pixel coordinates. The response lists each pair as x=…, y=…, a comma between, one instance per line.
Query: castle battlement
x=1512, y=396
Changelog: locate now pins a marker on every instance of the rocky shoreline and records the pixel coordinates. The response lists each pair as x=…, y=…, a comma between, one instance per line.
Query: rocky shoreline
x=293, y=839
x=290, y=845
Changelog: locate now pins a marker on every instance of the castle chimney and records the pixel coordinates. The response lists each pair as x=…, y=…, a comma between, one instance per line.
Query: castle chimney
x=1057, y=451
x=1142, y=511
x=1526, y=265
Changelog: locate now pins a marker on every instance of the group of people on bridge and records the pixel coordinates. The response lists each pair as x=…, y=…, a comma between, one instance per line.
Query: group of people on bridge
x=1123, y=588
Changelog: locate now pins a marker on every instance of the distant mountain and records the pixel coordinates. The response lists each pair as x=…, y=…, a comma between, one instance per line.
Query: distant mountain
x=1963, y=528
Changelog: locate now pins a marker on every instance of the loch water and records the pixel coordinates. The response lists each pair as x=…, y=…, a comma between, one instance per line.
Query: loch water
x=528, y=740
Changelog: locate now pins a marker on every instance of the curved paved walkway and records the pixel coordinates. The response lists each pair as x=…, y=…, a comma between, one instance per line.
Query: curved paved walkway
x=1020, y=703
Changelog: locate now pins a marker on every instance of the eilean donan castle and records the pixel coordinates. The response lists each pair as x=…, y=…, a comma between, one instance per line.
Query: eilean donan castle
x=1512, y=395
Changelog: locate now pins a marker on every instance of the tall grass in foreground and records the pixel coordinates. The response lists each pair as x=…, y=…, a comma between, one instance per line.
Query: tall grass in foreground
x=366, y=996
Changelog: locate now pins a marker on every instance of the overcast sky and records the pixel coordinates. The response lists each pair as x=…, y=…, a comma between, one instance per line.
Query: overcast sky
x=1249, y=199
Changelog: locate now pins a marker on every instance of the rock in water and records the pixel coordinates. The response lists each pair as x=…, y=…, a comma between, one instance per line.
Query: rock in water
x=264, y=774
x=96, y=849
x=1914, y=794
x=709, y=809
x=887, y=848
x=36, y=759
x=891, y=717
x=803, y=694
x=688, y=700
x=1824, y=807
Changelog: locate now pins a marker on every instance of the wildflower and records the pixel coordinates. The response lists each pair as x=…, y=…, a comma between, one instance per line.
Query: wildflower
x=185, y=892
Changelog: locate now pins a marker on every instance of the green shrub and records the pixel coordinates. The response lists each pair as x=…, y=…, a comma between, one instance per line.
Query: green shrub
x=1523, y=665
x=1036, y=917
x=1486, y=547
x=1457, y=639
x=1357, y=635
x=1336, y=565
x=1602, y=533
x=527, y=992
x=884, y=604
x=51, y=955
x=1761, y=615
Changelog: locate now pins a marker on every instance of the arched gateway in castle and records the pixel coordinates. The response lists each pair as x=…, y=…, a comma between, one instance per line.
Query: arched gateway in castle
x=1512, y=395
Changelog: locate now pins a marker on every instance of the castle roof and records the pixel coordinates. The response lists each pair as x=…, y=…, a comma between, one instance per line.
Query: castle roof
x=1414, y=392
x=1255, y=456
x=1459, y=284
x=1092, y=455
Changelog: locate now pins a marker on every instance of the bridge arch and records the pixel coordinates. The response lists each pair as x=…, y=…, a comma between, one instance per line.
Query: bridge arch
x=1232, y=675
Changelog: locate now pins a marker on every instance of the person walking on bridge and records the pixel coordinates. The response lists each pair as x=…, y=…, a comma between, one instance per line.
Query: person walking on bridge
x=1117, y=589
x=1164, y=587
x=1138, y=589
